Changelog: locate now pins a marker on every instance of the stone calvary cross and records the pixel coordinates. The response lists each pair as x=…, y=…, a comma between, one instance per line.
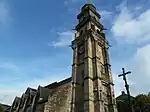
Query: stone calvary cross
x=127, y=86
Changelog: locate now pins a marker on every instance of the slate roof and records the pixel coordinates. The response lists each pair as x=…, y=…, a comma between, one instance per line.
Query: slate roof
x=31, y=90
x=55, y=89
x=51, y=89
x=17, y=99
x=56, y=84
x=43, y=94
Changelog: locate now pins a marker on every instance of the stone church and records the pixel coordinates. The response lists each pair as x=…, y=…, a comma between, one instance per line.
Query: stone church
x=90, y=88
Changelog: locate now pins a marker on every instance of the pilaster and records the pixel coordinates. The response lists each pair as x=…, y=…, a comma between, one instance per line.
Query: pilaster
x=88, y=78
x=74, y=79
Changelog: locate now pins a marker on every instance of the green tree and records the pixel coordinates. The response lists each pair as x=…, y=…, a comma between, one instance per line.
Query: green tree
x=1, y=108
x=142, y=103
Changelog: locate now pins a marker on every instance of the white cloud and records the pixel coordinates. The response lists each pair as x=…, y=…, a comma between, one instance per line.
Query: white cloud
x=7, y=95
x=44, y=80
x=138, y=8
x=140, y=65
x=35, y=73
x=139, y=79
x=10, y=67
x=120, y=84
x=4, y=12
x=105, y=14
x=64, y=39
x=131, y=26
x=126, y=27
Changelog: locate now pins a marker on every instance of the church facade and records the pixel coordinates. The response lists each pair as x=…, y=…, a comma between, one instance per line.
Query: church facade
x=90, y=88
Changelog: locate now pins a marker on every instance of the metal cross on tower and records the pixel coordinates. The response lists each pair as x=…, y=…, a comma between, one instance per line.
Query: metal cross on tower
x=127, y=86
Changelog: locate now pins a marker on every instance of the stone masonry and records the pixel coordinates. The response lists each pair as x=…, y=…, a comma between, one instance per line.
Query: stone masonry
x=59, y=100
x=91, y=88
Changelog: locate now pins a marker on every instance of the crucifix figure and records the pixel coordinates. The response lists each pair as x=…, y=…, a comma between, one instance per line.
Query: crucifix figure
x=126, y=86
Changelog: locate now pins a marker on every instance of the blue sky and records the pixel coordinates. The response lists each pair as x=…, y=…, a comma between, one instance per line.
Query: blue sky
x=34, y=39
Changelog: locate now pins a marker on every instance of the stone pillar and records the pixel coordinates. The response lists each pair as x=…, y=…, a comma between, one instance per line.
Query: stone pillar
x=98, y=90
x=111, y=96
x=88, y=78
x=74, y=73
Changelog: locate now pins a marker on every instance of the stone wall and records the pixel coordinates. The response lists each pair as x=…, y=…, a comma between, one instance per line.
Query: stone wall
x=59, y=100
x=40, y=107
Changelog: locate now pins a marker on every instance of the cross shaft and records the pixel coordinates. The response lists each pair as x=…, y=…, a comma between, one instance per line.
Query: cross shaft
x=126, y=86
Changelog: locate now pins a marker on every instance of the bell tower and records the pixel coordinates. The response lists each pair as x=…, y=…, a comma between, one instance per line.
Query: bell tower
x=92, y=84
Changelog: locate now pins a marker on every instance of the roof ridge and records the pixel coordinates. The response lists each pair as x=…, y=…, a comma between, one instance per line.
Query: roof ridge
x=56, y=84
